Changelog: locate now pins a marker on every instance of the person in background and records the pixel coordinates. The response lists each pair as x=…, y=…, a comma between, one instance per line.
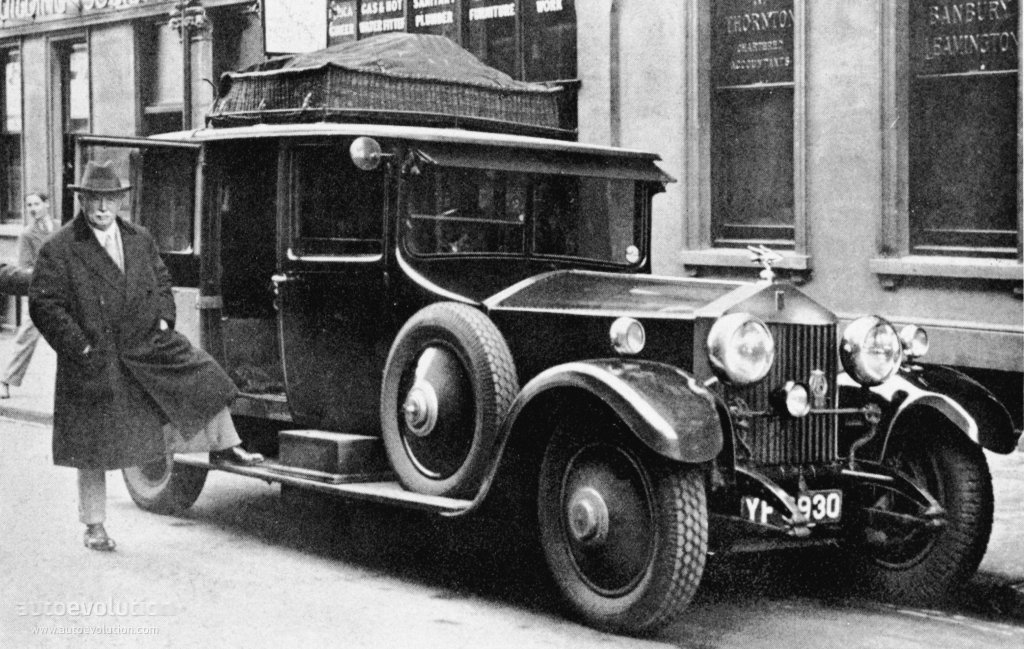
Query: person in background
x=36, y=232
x=101, y=297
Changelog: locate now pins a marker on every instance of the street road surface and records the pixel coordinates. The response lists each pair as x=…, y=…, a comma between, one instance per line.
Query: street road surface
x=243, y=568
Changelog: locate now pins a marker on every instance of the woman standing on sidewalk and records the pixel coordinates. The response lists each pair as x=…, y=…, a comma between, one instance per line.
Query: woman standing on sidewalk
x=31, y=239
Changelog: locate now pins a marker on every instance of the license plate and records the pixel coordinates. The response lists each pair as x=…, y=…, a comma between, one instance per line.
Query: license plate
x=825, y=506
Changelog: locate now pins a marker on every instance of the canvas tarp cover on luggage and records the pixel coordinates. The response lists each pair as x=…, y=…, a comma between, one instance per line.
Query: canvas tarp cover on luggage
x=412, y=78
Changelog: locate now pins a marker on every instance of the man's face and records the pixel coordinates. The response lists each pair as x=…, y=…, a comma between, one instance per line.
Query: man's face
x=102, y=209
x=37, y=207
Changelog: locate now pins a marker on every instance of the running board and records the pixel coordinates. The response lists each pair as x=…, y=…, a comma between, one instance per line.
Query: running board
x=356, y=487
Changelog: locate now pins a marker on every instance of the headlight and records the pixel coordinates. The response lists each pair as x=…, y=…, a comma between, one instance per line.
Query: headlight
x=871, y=351
x=741, y=348
x=915, y=341
x=627, y=336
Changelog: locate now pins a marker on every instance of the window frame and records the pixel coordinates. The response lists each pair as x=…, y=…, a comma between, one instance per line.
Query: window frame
x=533, y=169
x=333, y=249
x=699, y=245
x=17, y=209
x=894, y=257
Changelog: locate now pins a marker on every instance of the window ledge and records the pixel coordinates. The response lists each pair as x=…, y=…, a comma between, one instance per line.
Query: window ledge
x=961, y=267
x=10, y=230
x=741, y=258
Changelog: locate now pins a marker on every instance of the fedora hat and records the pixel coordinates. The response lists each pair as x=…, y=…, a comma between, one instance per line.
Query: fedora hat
x=100, y=178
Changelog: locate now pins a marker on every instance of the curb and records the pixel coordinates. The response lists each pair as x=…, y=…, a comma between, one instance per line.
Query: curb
x=27, y=415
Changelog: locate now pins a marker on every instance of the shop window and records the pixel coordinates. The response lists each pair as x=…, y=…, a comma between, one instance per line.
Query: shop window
x=72, y=111
x=341, y=21
x=748, y=134
x=10, y=136
x=75, y=87
x=951, y=160
x=549, y=40
x=531, y=40
x=381, y=17
x=752, y=61
x=963, y=128
x=160, y=76
x=491, y=34
x=438, y=17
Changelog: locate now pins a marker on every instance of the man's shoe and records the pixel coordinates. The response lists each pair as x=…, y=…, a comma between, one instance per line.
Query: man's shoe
x=96, y=539
x=5, y=391
x=235, y=455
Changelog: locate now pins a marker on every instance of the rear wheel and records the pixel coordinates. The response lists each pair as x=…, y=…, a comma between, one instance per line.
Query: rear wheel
x=164, y=487
x=624, y=531
x=906, y=560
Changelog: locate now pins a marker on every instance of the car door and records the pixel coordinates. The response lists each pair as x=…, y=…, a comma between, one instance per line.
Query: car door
x=332, y=288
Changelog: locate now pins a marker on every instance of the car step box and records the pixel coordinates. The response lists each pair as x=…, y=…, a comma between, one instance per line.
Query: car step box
x=315, y=452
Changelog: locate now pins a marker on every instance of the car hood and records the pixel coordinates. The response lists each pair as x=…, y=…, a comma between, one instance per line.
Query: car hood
x=647, y=296
x=573, y=291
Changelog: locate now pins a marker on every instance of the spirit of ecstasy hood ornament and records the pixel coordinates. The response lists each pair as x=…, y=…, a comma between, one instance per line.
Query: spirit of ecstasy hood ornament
x=765, y=256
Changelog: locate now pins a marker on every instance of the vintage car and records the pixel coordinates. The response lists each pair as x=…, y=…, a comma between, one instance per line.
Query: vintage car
x=430, y=296
x=437, y=318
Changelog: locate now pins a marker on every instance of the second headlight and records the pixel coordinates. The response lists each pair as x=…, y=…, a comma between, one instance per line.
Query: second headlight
x=871, y=351
x=740, y=348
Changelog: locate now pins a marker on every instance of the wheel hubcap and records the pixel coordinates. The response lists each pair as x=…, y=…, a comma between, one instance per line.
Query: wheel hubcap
x=420, y=409
x=588, y=517
x=607, y=518
x=438, y=412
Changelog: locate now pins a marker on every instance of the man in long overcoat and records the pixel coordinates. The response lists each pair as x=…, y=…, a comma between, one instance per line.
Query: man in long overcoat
x=101, y=297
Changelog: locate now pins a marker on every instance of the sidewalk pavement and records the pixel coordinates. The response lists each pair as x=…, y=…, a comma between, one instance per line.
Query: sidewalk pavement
x=997, y=589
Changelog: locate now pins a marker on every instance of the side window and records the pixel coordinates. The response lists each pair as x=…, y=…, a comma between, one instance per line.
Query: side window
x=587, y=218
x=166, y=198
x=337, y=209
x=453, y=211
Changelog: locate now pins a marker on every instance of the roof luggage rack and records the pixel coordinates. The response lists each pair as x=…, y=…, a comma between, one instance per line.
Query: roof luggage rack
x=409, y=79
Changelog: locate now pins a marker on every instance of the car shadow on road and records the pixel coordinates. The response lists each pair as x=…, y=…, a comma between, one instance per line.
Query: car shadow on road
x=488, y=558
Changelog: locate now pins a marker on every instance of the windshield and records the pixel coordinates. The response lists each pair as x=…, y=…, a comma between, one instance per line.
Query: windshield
x=453, y=211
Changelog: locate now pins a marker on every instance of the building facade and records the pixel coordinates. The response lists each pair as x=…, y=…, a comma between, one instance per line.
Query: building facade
x=875, y=144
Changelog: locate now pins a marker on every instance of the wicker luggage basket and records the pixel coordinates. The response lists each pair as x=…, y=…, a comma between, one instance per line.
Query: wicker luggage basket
x=394, y=78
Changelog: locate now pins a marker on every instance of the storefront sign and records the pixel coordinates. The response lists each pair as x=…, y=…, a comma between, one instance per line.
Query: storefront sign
x=489, y=10
x=341, y=21
x=950, y=37
x=35, y=10
x=752, y=42
x=379, y=16
x=432, y=13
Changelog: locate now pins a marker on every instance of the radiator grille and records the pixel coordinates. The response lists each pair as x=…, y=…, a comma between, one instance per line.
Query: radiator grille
x=774, y=441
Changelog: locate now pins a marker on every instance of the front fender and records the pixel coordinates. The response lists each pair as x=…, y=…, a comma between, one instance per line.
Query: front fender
x=967, y=404
x=666, y=408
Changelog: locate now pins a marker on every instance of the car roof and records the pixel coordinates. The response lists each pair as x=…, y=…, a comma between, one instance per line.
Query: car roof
x=415, y=133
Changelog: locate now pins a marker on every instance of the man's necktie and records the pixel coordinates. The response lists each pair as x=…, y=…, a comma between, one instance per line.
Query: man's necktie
x=112, y=250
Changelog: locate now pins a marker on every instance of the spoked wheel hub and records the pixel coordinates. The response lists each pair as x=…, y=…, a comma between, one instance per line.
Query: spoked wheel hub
x=608, y=518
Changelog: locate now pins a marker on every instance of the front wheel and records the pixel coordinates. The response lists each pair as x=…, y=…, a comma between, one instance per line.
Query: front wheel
x=164, y=487
x=919, y=563
x=624, y=532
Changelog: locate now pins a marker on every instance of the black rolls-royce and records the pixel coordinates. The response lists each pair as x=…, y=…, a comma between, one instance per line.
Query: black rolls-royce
x=438, y=317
